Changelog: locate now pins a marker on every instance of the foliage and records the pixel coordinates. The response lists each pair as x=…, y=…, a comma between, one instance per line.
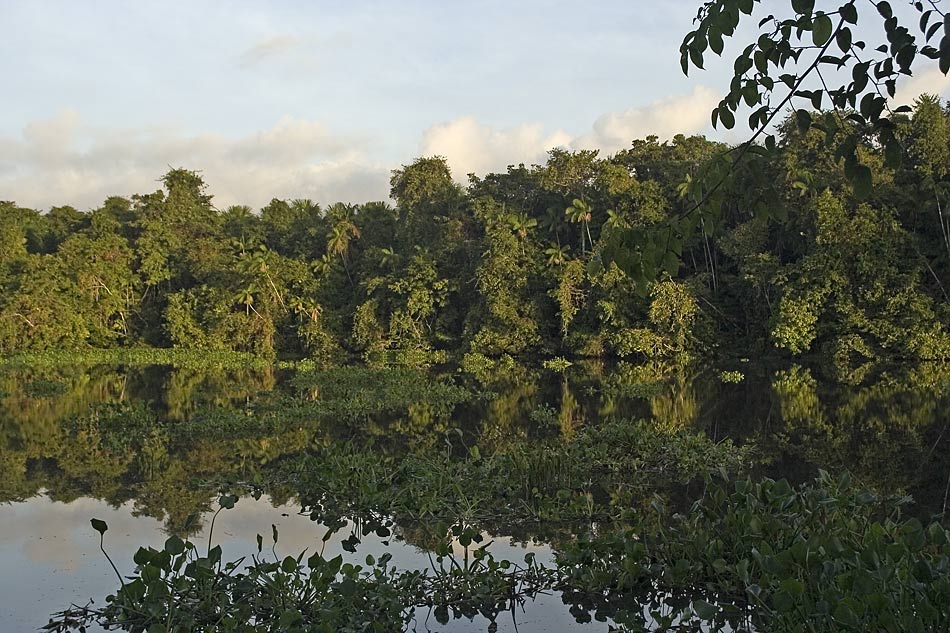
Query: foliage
x=804, y=54
x=775, y=558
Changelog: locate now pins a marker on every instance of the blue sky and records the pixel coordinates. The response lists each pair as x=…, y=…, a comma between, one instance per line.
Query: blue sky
x=322, y=99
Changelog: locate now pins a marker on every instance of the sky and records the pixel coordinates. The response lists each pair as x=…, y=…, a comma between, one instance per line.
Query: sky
x=321, y=100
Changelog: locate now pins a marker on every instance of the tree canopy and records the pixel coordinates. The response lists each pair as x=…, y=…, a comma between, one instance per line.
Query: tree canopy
x=585, y=255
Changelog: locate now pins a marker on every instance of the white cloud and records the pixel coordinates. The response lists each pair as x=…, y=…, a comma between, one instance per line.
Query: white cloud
x=62, y=160
x=471, y=147
x=665, y=118
x=930, y=81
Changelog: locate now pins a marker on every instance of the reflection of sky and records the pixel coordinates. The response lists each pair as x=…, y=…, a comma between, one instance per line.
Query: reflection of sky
x=49, y=557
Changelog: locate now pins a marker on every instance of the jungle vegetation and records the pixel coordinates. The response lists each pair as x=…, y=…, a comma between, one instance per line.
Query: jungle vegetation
x=516, y=263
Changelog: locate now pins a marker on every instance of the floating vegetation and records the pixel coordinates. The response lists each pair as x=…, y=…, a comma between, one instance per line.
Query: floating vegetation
x=733, y=377
x=135, y=356
x=558, y=363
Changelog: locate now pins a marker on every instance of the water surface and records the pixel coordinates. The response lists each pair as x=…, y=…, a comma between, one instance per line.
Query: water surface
x=887, y=426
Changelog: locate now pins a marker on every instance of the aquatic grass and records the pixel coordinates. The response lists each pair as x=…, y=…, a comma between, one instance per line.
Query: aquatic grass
x=137, y=356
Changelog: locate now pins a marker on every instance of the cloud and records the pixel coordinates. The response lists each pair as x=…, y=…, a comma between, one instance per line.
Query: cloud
x=276, y=46
x=471, y=147
x=62, y=160
x=665, y=118
x=930, y=81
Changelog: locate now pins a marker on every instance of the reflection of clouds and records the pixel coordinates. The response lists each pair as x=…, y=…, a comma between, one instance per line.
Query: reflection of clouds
x=60, y=533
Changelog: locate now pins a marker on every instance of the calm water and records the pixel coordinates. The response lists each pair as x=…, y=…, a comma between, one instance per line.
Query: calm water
x=57, y=470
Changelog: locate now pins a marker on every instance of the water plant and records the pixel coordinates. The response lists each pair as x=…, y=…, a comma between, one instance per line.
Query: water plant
x=825, y=557
x=176, y=588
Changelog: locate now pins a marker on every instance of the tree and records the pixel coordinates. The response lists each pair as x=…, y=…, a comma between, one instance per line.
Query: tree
x=803, y=59
x=580, y=211
x=800, y=56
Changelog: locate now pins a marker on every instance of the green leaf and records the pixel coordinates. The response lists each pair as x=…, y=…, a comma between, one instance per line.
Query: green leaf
x=174, y=545
x=99, y=526
x=803, y=119
x=849, y=13
x=142, y=556
x=821, y=29
x=696, y=56
x=792, y=587
x=805, y=7
x=288, y=565
x=727, y=118
x=289, y=618
x=843, y=39
x=844, y=614
x=861, y=180
x=945, y=54
x=783, y=601
x=715, y=41
x=705, y=610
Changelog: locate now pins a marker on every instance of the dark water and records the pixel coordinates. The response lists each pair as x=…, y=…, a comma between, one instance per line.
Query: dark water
x=887, y=426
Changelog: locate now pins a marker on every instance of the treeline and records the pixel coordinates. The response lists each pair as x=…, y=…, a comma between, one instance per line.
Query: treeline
x=509, y=264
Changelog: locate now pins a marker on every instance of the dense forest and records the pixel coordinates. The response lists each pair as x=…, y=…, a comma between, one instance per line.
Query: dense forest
x=510, y=264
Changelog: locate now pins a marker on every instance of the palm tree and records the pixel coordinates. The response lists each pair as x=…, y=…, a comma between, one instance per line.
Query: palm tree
x=305, y=308
x=339, y=240
x=245, y=296
x=256, y=265
x=321, y=267
x=557, y=254
x=387, y=257
x=580, y=211
x=520, y=223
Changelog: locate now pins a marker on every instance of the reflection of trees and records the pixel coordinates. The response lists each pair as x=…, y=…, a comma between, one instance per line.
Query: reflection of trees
x=889, y=432
x=88, y=439
x=571, y=415
x=676, y=406
x=31, y=419
x=188, y=389
x=83, y=438
x=505, y=416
